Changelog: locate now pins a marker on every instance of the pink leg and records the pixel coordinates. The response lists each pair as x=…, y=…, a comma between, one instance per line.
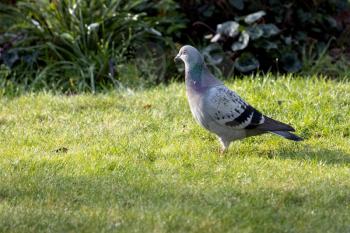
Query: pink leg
x=224, y=145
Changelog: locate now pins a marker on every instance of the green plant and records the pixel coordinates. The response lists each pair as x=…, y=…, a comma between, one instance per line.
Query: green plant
x=324, y=63
x=267, y=34
x=80, y=45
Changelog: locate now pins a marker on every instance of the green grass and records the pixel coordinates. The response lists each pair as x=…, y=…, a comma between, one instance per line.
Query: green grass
x=137, y=162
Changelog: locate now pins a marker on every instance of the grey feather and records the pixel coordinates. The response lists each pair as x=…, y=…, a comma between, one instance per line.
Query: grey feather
x=273, y=125
x=221, y=110
x=288, y=135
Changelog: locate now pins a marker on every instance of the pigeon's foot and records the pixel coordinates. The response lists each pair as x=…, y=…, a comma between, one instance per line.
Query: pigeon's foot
x=222, y=150
x=224, y=145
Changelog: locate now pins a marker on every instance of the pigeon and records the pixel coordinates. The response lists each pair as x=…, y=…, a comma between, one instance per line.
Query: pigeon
x=220, y=110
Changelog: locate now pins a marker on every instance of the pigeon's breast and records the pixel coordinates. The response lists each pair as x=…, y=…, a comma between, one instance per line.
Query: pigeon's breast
x=196, y=102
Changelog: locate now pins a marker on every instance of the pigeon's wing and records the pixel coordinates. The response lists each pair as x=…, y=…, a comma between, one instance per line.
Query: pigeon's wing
x=226, y=108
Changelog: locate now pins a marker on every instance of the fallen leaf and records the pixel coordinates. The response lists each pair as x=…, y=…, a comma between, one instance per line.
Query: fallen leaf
x=61, y=150
x=147, y=106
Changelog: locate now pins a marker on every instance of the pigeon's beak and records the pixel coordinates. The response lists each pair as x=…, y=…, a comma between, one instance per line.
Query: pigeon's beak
x=177, y=58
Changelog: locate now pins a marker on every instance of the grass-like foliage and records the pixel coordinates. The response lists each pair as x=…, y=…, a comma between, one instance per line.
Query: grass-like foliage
x=80, y=45
x=137, y=162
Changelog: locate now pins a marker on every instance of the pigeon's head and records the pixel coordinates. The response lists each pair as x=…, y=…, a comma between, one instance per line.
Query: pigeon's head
x=189, y=55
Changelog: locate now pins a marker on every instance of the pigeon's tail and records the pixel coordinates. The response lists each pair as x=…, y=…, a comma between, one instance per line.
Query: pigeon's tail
x=288, y=135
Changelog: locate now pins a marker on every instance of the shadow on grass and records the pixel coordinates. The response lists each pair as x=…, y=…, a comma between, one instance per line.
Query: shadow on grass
x=144, y=203
x=311, y=153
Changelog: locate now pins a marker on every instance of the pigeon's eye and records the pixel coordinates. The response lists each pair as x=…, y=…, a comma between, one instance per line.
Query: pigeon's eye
x=184, y=52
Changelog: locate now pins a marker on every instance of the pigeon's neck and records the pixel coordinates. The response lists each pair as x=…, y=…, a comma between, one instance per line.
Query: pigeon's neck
x=198, y=77
x=194, y=72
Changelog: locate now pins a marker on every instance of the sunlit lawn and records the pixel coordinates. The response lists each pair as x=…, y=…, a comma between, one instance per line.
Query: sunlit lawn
x=137, y=162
